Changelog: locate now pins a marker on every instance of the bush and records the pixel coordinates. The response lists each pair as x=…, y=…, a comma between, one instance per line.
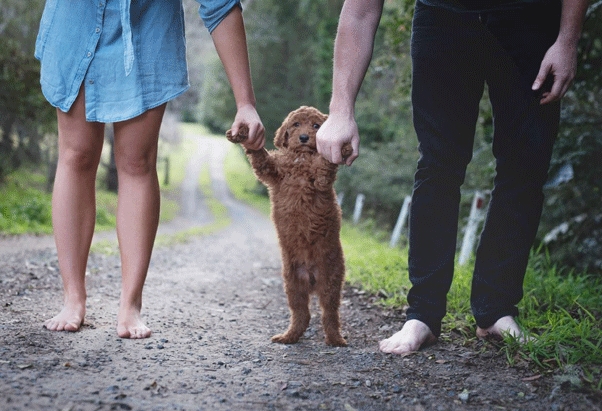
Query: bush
x=24, y=210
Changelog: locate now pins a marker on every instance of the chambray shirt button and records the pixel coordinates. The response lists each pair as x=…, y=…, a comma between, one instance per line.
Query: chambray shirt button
x=91, y=81
x=97, y=30
x=89, y=54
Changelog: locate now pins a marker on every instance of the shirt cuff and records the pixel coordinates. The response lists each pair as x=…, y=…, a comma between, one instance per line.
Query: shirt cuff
x=214, y=11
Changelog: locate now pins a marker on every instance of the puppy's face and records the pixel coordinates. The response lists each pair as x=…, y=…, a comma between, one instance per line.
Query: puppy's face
x=298, y=131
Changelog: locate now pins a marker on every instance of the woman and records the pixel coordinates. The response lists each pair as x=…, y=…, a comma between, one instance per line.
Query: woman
x=120, y=61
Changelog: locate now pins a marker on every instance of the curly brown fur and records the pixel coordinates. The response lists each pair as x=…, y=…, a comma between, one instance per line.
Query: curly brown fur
x=307, y=219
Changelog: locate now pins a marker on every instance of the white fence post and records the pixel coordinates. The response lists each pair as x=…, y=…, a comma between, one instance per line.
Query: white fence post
x=340, y=198
x=359, y=204
x=399, y=225
x=477, y=214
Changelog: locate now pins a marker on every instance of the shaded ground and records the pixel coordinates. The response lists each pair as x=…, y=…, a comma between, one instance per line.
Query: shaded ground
x=213, y=304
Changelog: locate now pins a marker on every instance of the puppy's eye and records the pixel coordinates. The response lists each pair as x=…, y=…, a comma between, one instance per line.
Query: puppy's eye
x=296, y=124
x=317, y=126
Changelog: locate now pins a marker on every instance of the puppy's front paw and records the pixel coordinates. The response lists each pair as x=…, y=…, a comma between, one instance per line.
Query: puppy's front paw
x=242, y=135
x=346, y=150
x=285, y=339
x=336, y=341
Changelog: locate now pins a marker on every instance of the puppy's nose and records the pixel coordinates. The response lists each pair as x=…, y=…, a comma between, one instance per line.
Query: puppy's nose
x=304, y=138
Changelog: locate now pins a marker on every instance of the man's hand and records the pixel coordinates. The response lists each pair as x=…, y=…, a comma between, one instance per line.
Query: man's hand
x=332, y=136
x=560, y=62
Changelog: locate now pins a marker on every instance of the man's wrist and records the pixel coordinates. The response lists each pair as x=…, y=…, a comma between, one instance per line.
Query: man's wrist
x=342, y=109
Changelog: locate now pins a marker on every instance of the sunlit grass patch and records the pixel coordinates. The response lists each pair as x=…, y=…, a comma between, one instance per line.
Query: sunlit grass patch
x=374, y=266
x=194, y=129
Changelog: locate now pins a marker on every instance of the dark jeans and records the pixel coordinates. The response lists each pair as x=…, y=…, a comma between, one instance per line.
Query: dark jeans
x=453, y=56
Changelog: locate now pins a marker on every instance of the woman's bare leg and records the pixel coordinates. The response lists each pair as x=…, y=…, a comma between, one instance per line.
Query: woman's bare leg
x=74, y=208
x=137, y=212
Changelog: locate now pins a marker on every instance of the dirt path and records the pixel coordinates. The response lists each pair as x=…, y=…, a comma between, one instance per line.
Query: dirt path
x=213, y=304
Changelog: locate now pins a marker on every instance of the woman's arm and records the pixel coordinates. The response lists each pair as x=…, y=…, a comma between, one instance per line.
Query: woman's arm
x=231, y=44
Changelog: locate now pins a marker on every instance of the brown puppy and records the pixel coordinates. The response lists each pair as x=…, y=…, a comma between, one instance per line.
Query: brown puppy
x=307, y=219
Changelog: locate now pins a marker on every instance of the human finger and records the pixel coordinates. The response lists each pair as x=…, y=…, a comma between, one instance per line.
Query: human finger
x=544, y=70
x=257, y=138
x=335, y=155
x=554, y=93
x=355, y=144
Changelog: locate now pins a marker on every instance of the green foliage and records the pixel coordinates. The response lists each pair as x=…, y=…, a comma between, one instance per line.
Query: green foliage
x=24, y=113
x=24, y=210
x=383, y=108
x=25, y=207
x=217, y=102
x=384, y=174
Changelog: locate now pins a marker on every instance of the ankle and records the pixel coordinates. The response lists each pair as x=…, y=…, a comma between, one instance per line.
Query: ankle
x=75, y=299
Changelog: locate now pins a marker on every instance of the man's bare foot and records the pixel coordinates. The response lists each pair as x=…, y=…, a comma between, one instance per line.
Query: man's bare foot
x=70, y=318
x=501, y=328
x=413, y=335
x=130, y=324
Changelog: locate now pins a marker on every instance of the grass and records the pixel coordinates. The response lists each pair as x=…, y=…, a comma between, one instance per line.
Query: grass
x=24, y=206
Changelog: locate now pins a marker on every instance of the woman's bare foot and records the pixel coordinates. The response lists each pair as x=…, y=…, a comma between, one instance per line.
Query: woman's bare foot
x=501, y=328
x=70, y=318
x=413, y=335
x=130, y=324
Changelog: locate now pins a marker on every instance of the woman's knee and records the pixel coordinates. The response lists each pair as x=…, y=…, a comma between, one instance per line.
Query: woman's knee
x=136, y=164
x=80, y=159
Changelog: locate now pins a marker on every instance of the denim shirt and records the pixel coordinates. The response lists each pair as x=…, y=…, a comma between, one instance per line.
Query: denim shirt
x=129, y=56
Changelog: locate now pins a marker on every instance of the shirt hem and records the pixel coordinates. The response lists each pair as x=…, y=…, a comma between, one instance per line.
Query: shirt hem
x=101, y=119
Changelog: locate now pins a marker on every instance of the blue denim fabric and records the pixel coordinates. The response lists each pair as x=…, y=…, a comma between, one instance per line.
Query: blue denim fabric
x=129, y=56
x=453, y=56
x=214, y=11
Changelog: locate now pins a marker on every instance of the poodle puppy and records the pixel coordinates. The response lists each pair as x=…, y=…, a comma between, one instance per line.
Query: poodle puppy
x=307, y=218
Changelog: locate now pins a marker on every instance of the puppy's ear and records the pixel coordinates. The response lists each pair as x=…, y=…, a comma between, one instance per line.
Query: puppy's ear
x=281, y=138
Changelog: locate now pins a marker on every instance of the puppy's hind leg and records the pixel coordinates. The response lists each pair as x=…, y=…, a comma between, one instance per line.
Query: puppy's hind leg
x=329, y=294
x=297, y=289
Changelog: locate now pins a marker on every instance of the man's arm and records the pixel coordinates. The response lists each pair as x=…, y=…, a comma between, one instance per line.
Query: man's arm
x=352, y=55
x=560, y=60
x=231, y=44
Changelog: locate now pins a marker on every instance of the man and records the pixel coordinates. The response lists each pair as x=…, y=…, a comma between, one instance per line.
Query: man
x=526, y=53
